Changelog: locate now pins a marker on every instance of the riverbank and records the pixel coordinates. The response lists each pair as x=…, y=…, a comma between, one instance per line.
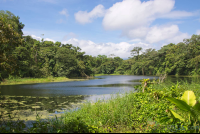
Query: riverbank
x=106, y=74
x=16, y=81
x=133, y=112
x=37, y=80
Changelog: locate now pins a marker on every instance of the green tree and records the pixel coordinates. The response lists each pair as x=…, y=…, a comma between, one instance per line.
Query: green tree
x=10, y=38
x=136, y=50
x=193, y=52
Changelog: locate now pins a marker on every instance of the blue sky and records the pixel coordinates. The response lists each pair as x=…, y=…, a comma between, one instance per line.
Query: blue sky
x=108, y=26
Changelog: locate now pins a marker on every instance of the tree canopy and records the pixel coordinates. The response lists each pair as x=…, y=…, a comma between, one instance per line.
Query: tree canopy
x=23, y=56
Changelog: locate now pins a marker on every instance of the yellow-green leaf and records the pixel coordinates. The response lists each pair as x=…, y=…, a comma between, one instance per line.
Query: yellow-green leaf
x=189, y=98
x=177, y=115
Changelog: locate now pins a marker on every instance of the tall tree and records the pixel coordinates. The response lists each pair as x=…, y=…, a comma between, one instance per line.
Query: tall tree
x=10, y=38
x=136, y=50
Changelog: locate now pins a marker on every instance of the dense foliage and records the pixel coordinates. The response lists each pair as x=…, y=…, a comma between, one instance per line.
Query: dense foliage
x=172, y=59
x=22, y=56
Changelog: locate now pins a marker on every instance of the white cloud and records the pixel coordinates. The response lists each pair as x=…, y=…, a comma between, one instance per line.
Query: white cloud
x=198, y=32
x=178, y=38
x=36, y=37
x=121, y=49
x=134, y=13
x=134, y=18
x=177, y=14
x=64, y=12
x=85, y=17
x=139, y=32
x=135, y=40
x=48, y=39
x=156, y=34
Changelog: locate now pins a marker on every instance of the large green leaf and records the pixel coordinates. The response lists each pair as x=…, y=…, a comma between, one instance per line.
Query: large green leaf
x=179, y=103
x=177, y=115
x=197, y=108
x=189, y=98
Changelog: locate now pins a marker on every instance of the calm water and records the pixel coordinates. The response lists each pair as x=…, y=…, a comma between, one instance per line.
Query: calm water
x=53, y=98
x=104, y=85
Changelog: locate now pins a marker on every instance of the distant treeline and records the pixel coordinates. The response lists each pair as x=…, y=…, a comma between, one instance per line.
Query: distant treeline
x=22, y=56
x=173, y=59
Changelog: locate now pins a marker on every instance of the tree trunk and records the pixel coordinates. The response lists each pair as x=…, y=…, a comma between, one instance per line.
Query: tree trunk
x=86, y=75
x=143, y=71
x=145, y=84
x=36, y=57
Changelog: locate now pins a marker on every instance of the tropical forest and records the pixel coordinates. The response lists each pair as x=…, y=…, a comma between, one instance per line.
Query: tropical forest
x=161, y=86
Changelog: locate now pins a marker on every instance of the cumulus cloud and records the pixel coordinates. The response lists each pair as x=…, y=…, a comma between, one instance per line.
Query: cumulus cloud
x=139, y=32
x=155, y=34
x=121, y=49
x=134, y=19
x=87, y=17
x=134, y=13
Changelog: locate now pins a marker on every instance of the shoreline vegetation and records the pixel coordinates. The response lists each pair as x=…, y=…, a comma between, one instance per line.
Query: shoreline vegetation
x=16, y=81
x=37, y=80
x=144, y=111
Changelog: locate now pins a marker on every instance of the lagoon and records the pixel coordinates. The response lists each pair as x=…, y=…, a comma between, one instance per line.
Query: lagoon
x=50, y=99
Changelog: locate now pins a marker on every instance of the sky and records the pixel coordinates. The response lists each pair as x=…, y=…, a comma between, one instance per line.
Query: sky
x=104, y=27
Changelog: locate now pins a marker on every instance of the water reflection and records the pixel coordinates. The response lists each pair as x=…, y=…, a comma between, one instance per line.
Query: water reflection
x=49, y=99
x=181, y=79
